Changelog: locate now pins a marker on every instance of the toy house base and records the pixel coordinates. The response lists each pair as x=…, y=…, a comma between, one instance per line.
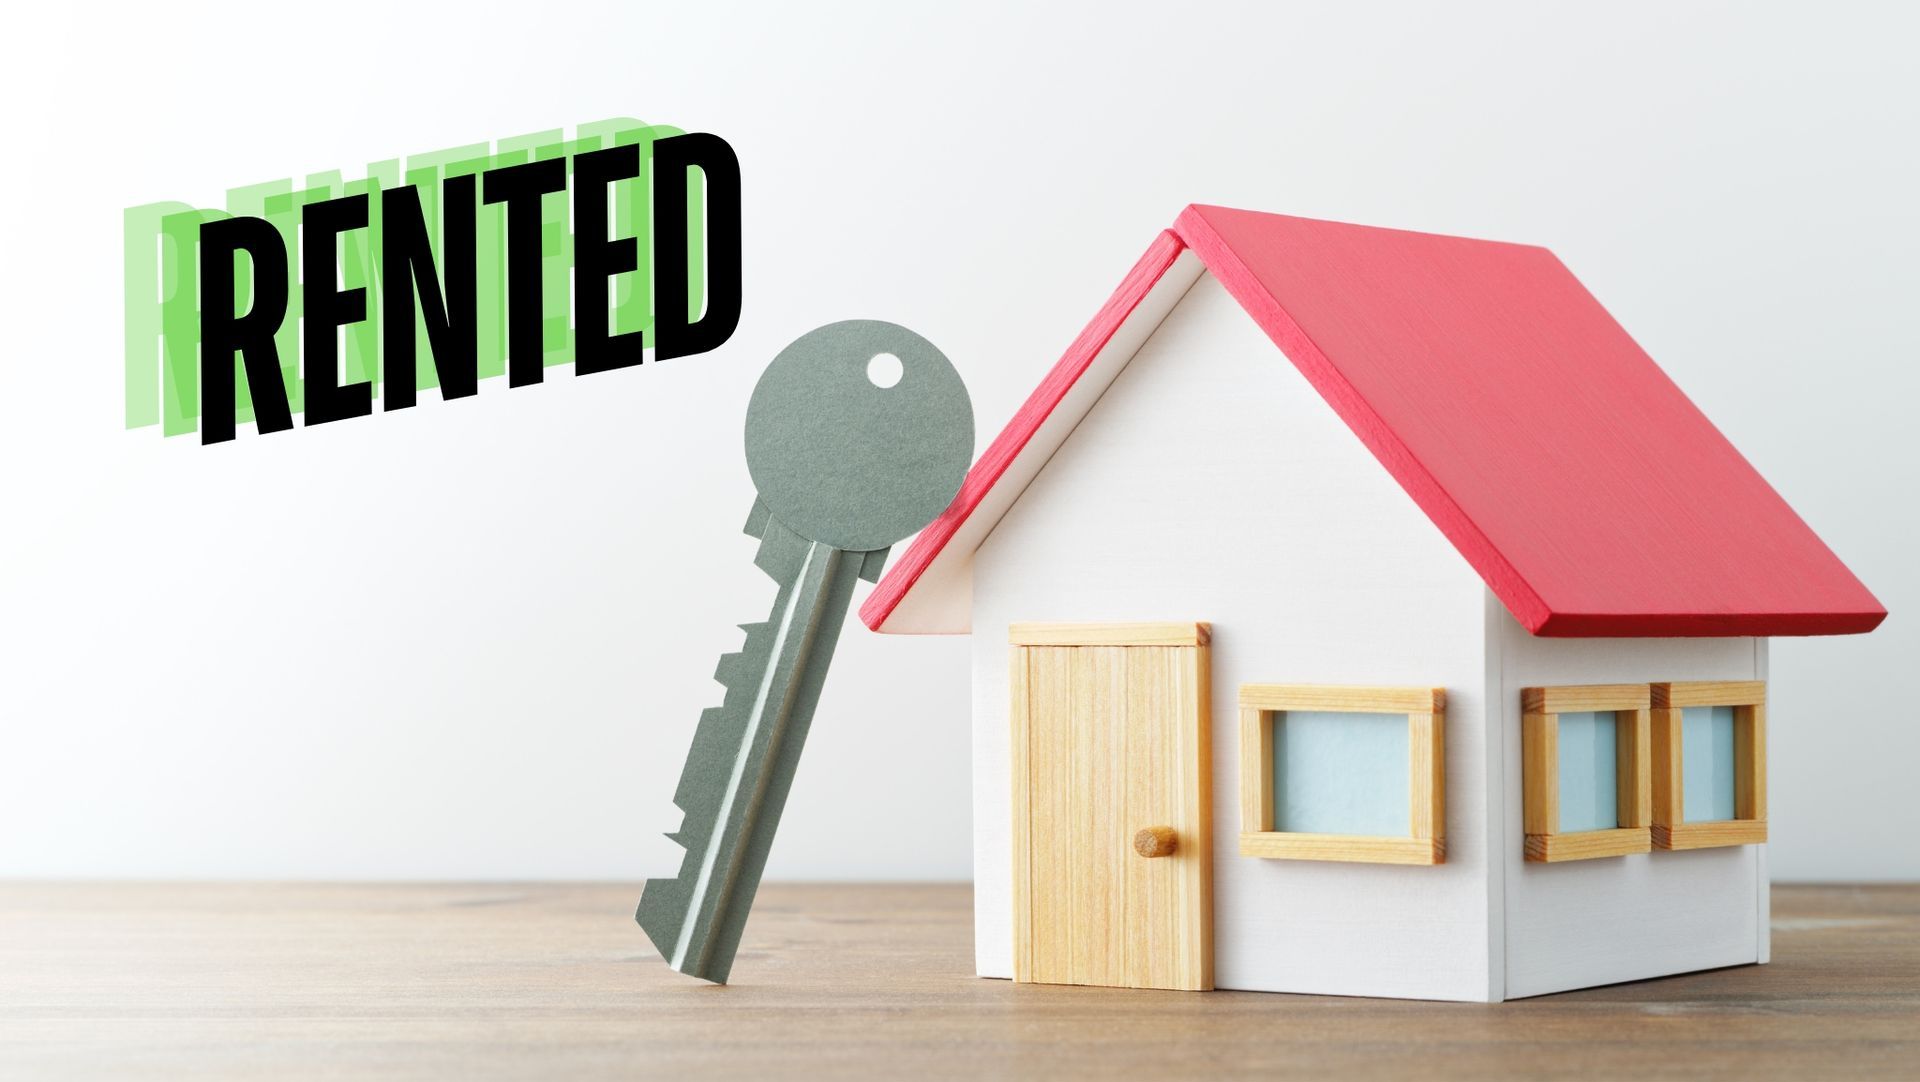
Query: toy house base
x=1177, y=473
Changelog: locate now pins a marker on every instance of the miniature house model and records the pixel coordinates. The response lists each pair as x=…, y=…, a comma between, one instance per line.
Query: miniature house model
x=1362, y=612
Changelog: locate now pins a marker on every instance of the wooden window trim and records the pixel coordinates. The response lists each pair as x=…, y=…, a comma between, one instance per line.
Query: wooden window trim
x=1749, y=823
x=1540, y=771
x=1425, y=708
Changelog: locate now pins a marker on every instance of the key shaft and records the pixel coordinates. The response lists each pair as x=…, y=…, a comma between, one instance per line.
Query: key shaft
x=773, y=686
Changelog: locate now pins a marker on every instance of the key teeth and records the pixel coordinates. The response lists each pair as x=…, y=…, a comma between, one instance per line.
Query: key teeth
x=754, y=644
x=719, y=731
x=719, y=728
x=717, y=737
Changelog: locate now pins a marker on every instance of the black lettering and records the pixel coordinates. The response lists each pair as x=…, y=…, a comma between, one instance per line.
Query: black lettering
x=325, y=307
x=406, y=258
x=222, y=331
x=520, y=188
x=674, y=336
x=597, y=259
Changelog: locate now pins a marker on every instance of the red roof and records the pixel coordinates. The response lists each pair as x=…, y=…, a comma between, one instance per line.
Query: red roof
x=1592, y=496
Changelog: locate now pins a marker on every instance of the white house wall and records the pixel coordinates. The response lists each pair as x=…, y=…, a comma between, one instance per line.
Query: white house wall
x=1212, y=483
x=1590, y=922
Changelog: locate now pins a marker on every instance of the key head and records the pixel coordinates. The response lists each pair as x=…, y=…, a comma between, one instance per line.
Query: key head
x=841, y=456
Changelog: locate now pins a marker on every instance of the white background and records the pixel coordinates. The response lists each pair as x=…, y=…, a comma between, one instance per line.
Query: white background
x=470, y=640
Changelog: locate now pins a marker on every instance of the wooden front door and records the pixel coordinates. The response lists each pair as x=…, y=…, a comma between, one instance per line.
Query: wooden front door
x=1112, y=805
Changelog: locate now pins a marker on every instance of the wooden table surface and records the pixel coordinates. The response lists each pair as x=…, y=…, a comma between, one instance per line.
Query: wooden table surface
x=555, y=981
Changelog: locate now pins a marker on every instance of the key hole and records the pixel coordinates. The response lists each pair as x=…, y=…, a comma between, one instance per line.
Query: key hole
x=885, y=370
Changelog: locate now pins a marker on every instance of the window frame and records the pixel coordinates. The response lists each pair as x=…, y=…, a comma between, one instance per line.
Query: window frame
x=1540, y=709
x=1749, y=823
x=1425, y=709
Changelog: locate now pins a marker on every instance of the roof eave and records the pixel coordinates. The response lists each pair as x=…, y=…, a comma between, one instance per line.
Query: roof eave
x=1707, y=625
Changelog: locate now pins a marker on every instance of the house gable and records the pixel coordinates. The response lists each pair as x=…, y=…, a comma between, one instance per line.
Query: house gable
x=1592, y=497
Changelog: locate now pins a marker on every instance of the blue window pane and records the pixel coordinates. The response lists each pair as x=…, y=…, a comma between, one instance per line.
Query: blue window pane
x=1339, y=773
x=1587, y=765
x=1706, y=763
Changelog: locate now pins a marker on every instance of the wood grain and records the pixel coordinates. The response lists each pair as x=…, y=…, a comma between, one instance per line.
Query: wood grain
x=1583, y=697
x=1116, y=739
x=1589, y=844
x=1350, y=848
x=469, y=981
x=1256, y=770
x=1146, y=899
x=1145, y=633
x=1540, y=773
x=1669, y=785
x=1680, y=694
x=1633, y=767
x=1427, y=767
x=1019, y=714
x=1099, y=825
x=1750, y=762
x=1051, y=689
x=1195, y=668
x=1707, y=835
x=1341, y=697
x=1156, y=841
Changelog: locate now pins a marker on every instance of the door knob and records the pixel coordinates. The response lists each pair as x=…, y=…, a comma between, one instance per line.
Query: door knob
x=1155, y=842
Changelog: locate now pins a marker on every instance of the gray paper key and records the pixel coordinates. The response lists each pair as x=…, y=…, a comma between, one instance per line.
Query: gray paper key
x=845, y=465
